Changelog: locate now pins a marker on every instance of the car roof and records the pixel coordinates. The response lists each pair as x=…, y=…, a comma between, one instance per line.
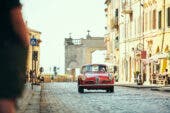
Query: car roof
x=94, y=64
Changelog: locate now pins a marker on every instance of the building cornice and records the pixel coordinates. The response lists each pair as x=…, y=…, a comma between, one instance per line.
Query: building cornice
x=107, y=2
x=33, y=30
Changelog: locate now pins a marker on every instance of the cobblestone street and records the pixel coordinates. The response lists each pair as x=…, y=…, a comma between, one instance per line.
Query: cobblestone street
x=64, y=98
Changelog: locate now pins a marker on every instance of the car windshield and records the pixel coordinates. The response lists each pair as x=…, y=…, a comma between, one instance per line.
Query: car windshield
x=94, y=68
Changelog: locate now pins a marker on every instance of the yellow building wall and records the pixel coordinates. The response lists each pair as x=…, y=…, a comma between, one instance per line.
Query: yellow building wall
x=143, y=33
x=30, y=63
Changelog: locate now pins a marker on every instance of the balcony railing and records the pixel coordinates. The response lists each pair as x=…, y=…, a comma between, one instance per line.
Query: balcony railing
x=73, y=41
x=126, y=9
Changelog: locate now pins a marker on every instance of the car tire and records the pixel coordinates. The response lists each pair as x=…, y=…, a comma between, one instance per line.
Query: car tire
x=80, y=89
x=112, y=89
x=107, y=90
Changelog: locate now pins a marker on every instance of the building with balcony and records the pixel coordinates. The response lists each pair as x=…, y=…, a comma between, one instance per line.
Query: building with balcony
x=139, y=42
x=111, y=39
x=156, y=32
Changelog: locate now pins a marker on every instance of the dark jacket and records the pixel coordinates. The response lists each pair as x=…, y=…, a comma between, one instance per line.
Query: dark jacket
x=13, y=55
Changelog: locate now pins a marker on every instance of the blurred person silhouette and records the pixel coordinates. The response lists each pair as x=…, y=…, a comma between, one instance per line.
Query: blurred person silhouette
x=14, y=44
x=102, y=69
x=166, y=72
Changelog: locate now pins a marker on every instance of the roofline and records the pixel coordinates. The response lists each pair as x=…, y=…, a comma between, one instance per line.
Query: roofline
x=107, y=1
x=34, y=30
x=95, y=64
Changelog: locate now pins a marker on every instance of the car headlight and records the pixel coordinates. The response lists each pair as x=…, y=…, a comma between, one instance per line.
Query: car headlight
x=83, y=77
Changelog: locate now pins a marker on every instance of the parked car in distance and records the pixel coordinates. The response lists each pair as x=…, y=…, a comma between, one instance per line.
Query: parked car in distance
x=94, y=77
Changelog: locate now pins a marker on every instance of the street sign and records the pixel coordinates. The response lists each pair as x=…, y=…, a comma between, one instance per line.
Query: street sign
x=55, y=69
x=33, y=41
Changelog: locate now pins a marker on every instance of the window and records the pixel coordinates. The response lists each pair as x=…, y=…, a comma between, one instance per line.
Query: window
x=116, y=12
x=139, y=25
x=154, y=19
x=135, y=27
x=117, y=38
x=160, y=19
x=168, y=11
x=116, y=42
x=93, y=68
x=150, y=20
x=146, y=21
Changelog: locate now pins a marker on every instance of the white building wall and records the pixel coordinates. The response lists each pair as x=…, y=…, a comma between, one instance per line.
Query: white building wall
x=130, y=35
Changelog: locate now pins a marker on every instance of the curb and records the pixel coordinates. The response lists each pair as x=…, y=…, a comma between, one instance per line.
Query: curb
x=136, y=86
x=161, y=89
x=153, y=88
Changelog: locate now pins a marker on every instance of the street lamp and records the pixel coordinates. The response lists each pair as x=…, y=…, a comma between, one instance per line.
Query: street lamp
x=55, y=70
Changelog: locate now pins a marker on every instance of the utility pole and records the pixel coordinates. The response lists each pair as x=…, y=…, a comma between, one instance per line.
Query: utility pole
x=163, y=35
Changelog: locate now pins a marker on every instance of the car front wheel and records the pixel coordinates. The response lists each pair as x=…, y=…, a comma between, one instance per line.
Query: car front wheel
x=107, y=90
x=112, y=89
x=80, y=89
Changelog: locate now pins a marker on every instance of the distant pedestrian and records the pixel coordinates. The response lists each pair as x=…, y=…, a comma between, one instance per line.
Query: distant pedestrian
x=52, y=78
x=14, y=42
x=34, y=77
x=31, y=76
x=166, y=72
x=26, y=76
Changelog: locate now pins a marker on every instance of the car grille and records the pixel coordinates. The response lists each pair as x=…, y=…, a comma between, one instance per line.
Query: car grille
x=106, y=81
x=89, y=82
x=97, y=80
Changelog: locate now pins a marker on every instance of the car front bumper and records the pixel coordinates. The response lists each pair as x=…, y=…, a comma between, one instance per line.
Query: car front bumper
x=96, y=86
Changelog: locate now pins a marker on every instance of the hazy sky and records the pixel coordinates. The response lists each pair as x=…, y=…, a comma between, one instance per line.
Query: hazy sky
x=57, y=18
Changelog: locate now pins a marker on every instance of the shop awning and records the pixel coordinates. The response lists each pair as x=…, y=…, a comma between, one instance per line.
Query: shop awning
x=146, y=61
x=154, y=58
x=159, y=56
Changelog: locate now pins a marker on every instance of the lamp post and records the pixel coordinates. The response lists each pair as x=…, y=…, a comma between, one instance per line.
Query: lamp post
x=55, y=70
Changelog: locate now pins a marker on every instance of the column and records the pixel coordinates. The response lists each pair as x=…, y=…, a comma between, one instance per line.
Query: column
x=147, y=75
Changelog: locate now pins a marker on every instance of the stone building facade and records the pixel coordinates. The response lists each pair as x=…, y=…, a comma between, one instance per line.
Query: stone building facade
x=79, y=51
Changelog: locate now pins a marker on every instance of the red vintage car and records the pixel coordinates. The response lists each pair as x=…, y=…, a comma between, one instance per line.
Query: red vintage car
x=95, y=76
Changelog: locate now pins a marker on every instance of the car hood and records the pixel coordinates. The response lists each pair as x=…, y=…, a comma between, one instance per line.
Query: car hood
x=96, y=74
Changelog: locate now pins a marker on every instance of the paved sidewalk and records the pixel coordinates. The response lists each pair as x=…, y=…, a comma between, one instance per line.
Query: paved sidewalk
x=136, y=86
x=152, y=87
x=30, y=101
x=164, y=89
x=26, y=96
